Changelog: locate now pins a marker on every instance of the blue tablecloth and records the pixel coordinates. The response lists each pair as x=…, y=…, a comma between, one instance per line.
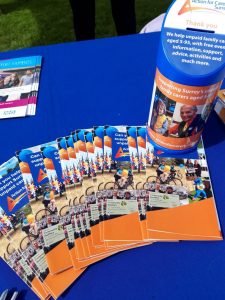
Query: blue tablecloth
x=109, y=81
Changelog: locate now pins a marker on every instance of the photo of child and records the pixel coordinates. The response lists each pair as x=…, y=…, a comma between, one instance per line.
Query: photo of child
x=162, y=112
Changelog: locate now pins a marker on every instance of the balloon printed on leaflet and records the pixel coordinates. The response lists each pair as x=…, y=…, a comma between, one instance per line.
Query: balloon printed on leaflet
x=99, y=131
x=141, y=142
x=110, y=131
x=90, y=147
x=132, y=132
x=71, y=152
x=23, y=155
x=49, y=164
x=24, y=167
x=63, y=143
x=80, y=135
x=142, y=132
x=98, y=142
x=108, y=141
x=131, y=142
x=89, y=137
x=48, y=151
x=81, y=146
x=63, y=154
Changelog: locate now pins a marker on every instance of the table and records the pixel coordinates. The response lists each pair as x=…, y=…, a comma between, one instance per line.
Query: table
x=109, y=81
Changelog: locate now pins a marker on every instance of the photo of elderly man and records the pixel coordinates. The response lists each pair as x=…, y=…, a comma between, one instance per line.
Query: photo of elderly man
x=186, y=121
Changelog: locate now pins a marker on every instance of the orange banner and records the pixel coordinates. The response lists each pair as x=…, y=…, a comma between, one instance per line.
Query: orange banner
x=174, y=143
x=186, y=94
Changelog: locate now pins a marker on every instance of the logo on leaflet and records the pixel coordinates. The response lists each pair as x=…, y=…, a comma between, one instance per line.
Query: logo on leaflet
x=159, y=152
x=187, y=7
x=120, y=153
x=13, y=202
x=41, y=175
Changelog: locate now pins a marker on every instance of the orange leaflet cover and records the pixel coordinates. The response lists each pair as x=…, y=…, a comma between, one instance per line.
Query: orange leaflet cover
x=91, y=260
x=105, y=253
x=114, y=250
x=112, y=244
x=109, y=245
x=145, y=234
x=101, y=253
x=80, y=253
x=82, y=250
x=87, y=261
x=119, y=244
x=58, y=258
x=96, y=238
x=142, y=216
x=102, y=250
x=75, y=237
x=127, y=246
x=58, y=283
x=124, y=228
x=79, y=236
x=87, y=229
x=181, y=205
x=93, y=250
x=195, y=221
x=85, y=246
x=94, y=220
x=39, y=289
x=55, y=284
x=113, y=209
x=149, y=236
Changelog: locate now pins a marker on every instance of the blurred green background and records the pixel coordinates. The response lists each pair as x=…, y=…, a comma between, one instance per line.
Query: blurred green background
x=27, y=23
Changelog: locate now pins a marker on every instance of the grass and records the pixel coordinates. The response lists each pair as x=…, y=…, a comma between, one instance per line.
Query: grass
x=27, y=23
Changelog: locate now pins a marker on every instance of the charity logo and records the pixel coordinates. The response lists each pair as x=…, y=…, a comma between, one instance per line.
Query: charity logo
x=120, y=153
x=13, y=202
x=188, y=7
x=41, y=175
x=159, y=152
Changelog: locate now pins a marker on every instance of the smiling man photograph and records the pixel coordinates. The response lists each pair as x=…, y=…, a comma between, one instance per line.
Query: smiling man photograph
x=191, y=123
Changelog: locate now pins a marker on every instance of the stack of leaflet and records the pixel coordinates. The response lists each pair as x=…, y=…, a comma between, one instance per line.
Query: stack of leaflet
x=19, y=83
x=71, y=202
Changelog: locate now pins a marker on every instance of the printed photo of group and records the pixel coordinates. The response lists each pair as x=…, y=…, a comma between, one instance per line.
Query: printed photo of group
x=189, y=178
x=14, y=83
